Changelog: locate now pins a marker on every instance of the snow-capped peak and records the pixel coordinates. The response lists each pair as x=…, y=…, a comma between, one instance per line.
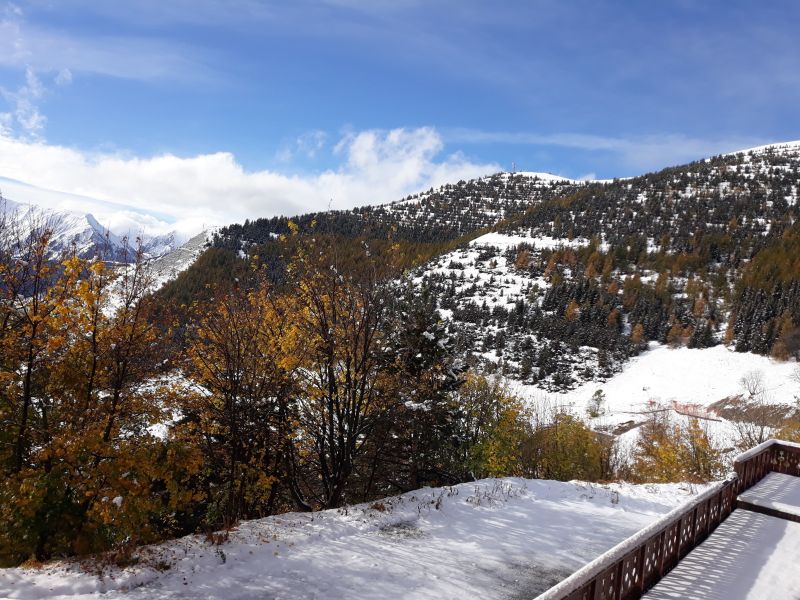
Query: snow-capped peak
x=86, y=234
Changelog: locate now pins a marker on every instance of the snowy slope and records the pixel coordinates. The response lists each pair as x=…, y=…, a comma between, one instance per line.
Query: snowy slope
x=683, y=381
x=161, y=269
x=687, y=376
x=165, y=267
x=503, y=538
x=482, y=273
x=542, y=176
x=777, y=147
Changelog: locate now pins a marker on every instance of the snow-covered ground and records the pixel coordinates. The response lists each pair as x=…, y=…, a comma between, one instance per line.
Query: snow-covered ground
x=505, y=241
x=684, y=381
x=507, y=538
x=681, y=376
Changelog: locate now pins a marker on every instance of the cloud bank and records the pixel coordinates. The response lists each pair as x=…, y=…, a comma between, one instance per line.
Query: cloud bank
x=167, y=192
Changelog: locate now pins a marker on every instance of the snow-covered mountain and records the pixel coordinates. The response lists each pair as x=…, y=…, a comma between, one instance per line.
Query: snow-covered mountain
x=616, y=300
x=87, y=235
x=168, y=264
x=570, y=290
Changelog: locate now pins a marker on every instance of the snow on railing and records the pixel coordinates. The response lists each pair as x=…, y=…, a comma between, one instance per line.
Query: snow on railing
x=634, y=565
x=747, y=454
x=772, y=455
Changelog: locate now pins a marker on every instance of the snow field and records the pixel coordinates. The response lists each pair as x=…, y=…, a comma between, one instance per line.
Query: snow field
x=491, y=538
x=687, y=379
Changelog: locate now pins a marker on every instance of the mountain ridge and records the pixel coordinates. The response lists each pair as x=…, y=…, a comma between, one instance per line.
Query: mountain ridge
x=589, y=272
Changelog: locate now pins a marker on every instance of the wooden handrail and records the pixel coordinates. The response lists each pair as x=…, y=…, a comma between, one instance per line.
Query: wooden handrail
x=773, y=455
x=636, y=564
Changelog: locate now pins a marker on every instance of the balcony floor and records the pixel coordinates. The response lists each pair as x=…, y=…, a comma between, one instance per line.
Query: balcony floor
x=777, y=494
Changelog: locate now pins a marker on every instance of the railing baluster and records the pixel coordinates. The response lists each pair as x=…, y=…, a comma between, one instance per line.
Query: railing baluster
x=640, y=568
x=618, y=580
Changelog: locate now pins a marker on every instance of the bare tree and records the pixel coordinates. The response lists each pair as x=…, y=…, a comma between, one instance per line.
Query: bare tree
x=757, y=417
x=753, y=384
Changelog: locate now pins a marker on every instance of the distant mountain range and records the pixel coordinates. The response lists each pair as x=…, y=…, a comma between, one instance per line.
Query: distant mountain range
x=89, y=238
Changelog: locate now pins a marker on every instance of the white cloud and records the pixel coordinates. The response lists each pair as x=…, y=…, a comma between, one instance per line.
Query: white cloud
x=187, y=193
x=24, y=115
x=63, y=77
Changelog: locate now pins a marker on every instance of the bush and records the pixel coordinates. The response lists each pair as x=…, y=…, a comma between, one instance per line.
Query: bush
x=667, y=451
x=565, y=449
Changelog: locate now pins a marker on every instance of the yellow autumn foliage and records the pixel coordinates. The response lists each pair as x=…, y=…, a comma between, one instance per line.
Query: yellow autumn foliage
x=668, y=451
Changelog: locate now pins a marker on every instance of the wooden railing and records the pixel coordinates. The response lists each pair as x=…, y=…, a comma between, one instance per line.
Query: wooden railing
x=635, y=565
x=773, y=455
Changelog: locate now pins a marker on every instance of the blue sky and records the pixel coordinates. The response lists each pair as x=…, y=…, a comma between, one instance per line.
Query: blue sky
x=168, y=106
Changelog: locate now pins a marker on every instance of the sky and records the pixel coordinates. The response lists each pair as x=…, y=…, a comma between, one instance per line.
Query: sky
x=180, y=114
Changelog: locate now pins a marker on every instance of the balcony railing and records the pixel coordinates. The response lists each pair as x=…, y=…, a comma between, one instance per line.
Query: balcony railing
x=636, y=564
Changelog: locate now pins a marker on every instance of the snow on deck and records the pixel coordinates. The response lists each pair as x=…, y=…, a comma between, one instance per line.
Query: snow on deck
x=506, y=538
x=776, y=491
x=749, y=556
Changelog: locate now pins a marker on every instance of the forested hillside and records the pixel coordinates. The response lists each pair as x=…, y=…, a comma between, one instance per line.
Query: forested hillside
x=696, y=255
x=446, y=213
x=699, y=254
